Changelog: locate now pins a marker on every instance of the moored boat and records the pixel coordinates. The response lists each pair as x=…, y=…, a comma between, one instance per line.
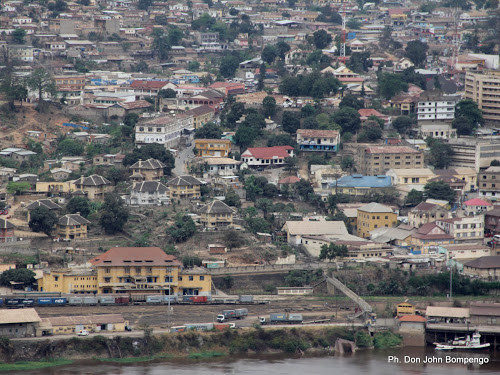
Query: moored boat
x=463, y=343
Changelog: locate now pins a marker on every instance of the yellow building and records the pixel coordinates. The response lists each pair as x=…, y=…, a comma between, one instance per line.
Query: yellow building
x=410, y=176
x=66, y=325
x=72, y=226
x=201, y=115
x=130, y=270
x=148, y=170
x=94, y=186
x=405, y=308
x=184, y=187
x=213, y=147
x=216, y=214
x=47, y=203
x=53, y=187
x=372, y=216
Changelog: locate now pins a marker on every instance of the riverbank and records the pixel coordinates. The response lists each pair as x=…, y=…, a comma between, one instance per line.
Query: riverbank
x=191, y=345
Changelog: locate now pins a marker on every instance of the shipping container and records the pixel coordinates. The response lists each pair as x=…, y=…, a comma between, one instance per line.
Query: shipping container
x=59, y=301
x=122, y=300
x=75, y=300
x=138, y=298
x=228, y=314
x=246, y=299
x=172, y=298
x=221, y=326
x=1, y=301
x=44, y=301
x=295, y=318
x=278, y=318
x=107, y=300
x=200, y=326
x=199, y=299
x=178, y=329
x=90, y=300
x=187, y=298
x=28, y=302
x=154, y=299
x=13, y=302
x=240, y=313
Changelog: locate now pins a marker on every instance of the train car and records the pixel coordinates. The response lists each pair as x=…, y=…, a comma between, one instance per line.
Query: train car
x=137, y=299
x=178, y=329
x=199, y=326
x=90, y=301
x=44, y=301
x=106, y=300
x=15, y=303
x=171, y=298
x=59, y=301
x=122, y=300
x=199, y=299
x=158, y=299
x=1, y=302
x=75, y=301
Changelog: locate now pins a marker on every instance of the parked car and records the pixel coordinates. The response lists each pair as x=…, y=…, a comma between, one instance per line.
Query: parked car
x=486, y=235
x=83, y=332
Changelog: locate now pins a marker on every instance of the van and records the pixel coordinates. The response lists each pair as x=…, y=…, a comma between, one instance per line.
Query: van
x=496, y=237
x=83, y=332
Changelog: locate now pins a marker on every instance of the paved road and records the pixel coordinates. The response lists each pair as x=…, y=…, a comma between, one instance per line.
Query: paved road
x=180, y=161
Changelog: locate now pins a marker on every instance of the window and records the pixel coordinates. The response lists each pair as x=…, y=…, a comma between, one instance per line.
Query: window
x=202, y=278
x=56, y=278
x=179, y=278
x=107, y=279
x=169, y=279
x=107, y=270
x=138, y=270
x=191, y=278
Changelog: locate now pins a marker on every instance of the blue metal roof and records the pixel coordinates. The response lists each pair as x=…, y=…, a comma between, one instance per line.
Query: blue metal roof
x=357, y=180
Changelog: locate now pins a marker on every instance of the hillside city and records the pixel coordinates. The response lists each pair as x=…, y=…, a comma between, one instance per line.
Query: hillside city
x=158, y=151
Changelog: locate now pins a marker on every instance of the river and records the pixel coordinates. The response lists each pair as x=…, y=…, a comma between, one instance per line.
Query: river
x=373, y=362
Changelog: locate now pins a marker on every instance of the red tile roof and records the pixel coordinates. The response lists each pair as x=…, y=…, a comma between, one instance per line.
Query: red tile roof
x=318, y=133
x=412, y=318
x=370, y=112
x=134, y=256
x=391, y=150
x=477, y=202
x=268, y=152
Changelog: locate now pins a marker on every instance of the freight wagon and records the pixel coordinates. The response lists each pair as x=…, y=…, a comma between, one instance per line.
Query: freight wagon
x=282, y=319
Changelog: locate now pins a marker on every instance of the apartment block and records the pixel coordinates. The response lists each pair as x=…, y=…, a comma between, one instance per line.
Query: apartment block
x=318, y=140
x=463, y=229
x=473, y=153
x=376, y=160
x=484, y=89
x=213, y=147
x=489, y=183
x=165, y=130
x=435, y=108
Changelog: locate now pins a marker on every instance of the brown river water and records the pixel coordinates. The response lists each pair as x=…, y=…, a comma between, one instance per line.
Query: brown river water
x=373, y=362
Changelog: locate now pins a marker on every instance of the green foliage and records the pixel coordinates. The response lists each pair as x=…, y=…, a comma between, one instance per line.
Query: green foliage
x=70, y=147
x=350, y=100
x=191, y=261
x=386, y=340
x=467, y=117
x=79, y=204
x=161, y=44
x=414, y=197
x=19, y=36
x=167, y=93
x=113, y=214
x=208, y=131
x=304, y=188
x=258, y=225
x=269, y=106
x=182, y=229
x=269, y=54
x=245, y=136
x=321, y=39
x=41, y=81
x=281, y=140
x=314, y=84
x=18, y=187
x=229, y=64
x=193, y=66
x=495, y=163
x=232, y=199
x=416, y=51
x=363, y=340
x=390, y=84
x=348, y=118
x=402, y=124
x=299, y=278
x=360, y=62
x=439, y=190
x=42, y=220
x=290, y=122
x=441, y=153
x=371, y=132
x=152, y=150
x=332, y=251
x=233, y=239
x=18, y=275
x=410, y=76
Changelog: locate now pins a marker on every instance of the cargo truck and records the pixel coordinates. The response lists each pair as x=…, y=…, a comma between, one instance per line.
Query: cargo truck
x=232, y=314
x=282, y=318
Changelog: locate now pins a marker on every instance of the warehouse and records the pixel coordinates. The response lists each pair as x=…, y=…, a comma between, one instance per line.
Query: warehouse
x=19, y=323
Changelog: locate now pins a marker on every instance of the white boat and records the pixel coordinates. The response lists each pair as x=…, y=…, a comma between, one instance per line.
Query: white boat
x=463, y=343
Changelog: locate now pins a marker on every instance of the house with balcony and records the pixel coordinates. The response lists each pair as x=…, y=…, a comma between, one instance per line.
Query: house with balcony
x=212, y=147
x=216, y=214
x=72, y=227
x=464, y=229
x=147, y=170
x=184, y=188
x=266, y=156
x=94, y=186
x=148, y=193
x=318, y=140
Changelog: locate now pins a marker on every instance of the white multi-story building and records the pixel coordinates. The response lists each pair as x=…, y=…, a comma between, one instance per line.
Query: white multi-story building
x=148, y=193
x=464, y=229
x=165, y=130
x=484, y=89
x=433, y=108
x=266, y=156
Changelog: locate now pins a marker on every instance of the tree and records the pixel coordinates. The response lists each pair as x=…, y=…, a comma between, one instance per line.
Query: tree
x=439, y=190
x=269, y=106
x=116, y=175
x=304, y=188
x=353, y=23
x=416, y=51
x=402, y=124
x=291, y=164
x=182, y=229
x=347, y=163
x=114, y=214
x=441, y=153
x=151, y=150
x=18, y=275
x=265, y=205
x=131, y=119
x=348, y=118
x=269, y=54
x=464, y=126
x=209, y=131
x=371, y=132
x=282, y=48
x=232, y=199
x=332, y=251
x=233, y=11
x=175, y=37
x=360, y=62
x=495, y=163
x=42, y=220
x=389, y=84
x=70, y=147
x=167, y=93
x=245, y=136
x=232, y=239
x=414, y=197
x=290, y=122
x=321, y=39
x=17, y=187
x=79, y=204
x=18, y=36
x=258, y=225
x=229, y=65
x=161, y=44
x=41, y=81
x=350, y=100
x=469, y=110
